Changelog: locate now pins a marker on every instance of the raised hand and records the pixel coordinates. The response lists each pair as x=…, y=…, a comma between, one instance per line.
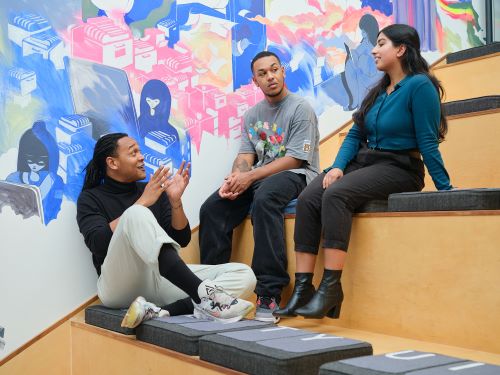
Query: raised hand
x=154, y=187
x=175, y=186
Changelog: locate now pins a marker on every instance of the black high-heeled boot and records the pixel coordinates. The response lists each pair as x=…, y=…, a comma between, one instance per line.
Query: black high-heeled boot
x=303, y=291
x=328, y=298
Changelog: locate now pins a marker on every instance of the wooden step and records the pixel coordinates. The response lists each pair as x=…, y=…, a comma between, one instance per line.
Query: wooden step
x=429, y=276
x=98, y=351
x=470, y=151
x=473, y=53
x=475, y=77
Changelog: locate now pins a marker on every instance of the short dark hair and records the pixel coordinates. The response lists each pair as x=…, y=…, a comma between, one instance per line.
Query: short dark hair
x=261, y=55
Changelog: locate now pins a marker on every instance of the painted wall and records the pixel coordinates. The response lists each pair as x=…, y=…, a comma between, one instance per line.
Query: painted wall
x=175, y=75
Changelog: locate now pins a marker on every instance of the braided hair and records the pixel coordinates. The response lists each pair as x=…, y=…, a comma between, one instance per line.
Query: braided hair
x=96, y=168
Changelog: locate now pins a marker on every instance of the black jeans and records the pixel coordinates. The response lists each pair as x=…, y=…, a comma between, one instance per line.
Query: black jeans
x=218, y=218
x=371, y=175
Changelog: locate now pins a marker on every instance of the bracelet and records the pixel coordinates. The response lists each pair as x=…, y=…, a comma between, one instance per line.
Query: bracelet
x=176, y=207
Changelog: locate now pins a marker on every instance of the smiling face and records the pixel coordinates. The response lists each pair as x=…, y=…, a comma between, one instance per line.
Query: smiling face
x=386, y=55
x=128, y=164
x=269, y=76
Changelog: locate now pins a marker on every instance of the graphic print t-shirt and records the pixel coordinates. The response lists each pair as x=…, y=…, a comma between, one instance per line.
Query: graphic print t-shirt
x=287, y=128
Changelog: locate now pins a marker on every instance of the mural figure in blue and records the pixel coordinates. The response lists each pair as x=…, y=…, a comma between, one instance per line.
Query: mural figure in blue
x=154, y=126
x=37, y=163
x=360, y=71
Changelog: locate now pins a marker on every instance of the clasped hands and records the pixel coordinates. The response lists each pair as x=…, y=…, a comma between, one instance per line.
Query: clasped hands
x=163, y=181
x=236, y=184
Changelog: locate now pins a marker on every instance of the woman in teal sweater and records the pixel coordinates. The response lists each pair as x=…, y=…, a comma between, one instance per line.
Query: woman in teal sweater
x=400, y=123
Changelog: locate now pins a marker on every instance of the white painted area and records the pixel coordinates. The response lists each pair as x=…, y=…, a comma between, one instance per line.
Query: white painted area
x=45, y=273
x=209, y=169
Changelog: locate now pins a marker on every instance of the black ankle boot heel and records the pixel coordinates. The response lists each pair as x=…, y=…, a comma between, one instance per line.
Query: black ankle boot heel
x=327, y=300
x=334, y=312
x=303, y=291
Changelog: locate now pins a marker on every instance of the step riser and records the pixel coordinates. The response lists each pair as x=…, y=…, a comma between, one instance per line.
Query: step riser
x=471, y=79
x=470, y=152
x=426, y=278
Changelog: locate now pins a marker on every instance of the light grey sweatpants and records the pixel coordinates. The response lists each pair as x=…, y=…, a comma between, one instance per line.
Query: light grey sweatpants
x=130, y=268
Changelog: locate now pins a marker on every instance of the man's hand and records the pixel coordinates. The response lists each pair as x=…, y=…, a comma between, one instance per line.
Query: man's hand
x=224, y=191
x=239, y=182
x=154, y=187
x=333, y=175
x=175, y=186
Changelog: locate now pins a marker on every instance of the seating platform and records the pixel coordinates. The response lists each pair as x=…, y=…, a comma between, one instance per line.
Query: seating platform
x=97, y=350
x=408, y=362
x=279, y=350
x=104, y=317
x=183, y=333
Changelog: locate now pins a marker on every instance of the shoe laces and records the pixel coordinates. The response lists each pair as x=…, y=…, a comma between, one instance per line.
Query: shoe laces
x=150, y=311
x=220, y=297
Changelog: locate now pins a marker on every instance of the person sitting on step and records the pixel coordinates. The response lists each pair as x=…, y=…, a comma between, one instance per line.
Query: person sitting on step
x=278, y=156
x=400, y=121
x=135, y=230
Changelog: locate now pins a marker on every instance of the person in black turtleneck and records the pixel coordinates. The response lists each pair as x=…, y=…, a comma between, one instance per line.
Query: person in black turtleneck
x=134, y=231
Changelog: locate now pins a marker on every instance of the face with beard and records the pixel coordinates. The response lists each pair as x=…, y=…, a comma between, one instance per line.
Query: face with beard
x=128, y=164
x=269, y=76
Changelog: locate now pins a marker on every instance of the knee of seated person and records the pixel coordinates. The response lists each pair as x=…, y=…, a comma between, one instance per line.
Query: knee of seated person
x=333, y=194
x=249, y=280
x=136, y=213
x=263, y=200
x=206, y=208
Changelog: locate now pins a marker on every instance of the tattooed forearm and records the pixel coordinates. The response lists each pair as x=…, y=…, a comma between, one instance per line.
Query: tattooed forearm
x=241, y=165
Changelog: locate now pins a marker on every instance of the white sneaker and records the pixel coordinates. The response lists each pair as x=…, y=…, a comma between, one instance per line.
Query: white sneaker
x=218, y=305
x=141, y=310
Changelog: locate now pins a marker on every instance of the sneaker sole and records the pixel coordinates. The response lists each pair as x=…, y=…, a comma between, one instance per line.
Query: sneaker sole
x=274, y=319
x=201, y=314
x=132, y=315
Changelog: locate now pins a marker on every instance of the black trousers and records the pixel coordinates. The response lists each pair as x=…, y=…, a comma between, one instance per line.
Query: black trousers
x=371, y=175
x=268, y=197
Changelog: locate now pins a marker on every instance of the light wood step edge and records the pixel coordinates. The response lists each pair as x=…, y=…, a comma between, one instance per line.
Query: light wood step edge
x=381, y=343
x=130, y=340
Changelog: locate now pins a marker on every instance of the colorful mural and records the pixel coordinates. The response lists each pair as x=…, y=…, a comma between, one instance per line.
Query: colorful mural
x=170, y=72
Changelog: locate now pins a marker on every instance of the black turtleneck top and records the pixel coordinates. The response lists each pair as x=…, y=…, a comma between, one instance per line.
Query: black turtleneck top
x=99, y=206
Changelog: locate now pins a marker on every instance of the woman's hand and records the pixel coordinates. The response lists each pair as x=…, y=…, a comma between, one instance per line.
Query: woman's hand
x=333, y=175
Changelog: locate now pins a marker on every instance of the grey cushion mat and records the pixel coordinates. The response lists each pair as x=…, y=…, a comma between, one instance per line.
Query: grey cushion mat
x=473, y=52
x=482, y=103
x=278, y=350
x=107, y=318
x=462, y=368
x=404, y=362
x=373, y=206
x=182, y=333
x=450, y=200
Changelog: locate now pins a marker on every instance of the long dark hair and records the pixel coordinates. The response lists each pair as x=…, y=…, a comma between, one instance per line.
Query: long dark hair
x=96, y=168
x=412, y=63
